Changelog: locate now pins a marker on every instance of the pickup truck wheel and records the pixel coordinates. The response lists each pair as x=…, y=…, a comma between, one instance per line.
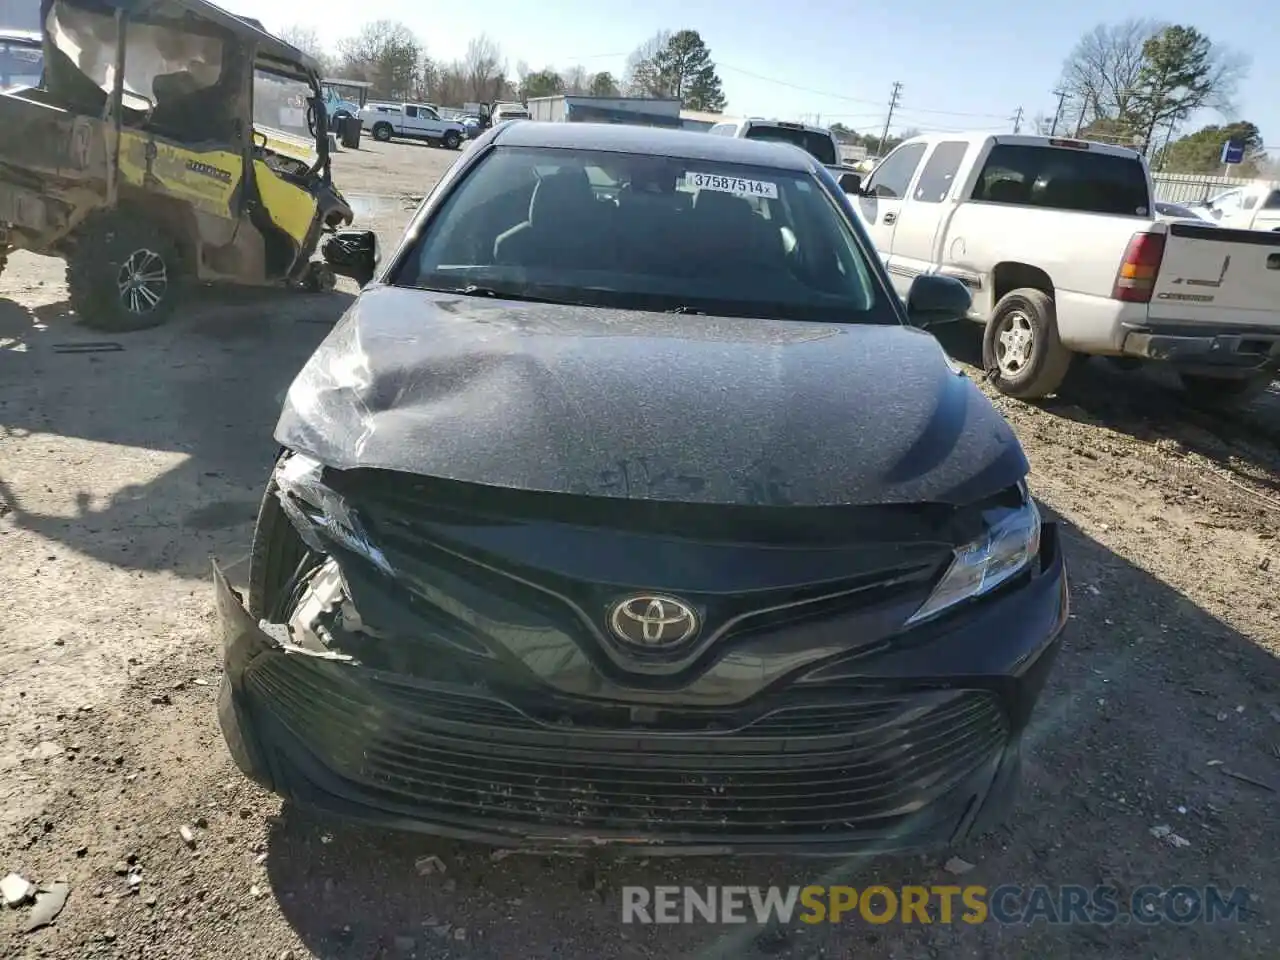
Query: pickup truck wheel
x=1222, y=393
x=1020, y=347
x=382, y=132
x=451, y=140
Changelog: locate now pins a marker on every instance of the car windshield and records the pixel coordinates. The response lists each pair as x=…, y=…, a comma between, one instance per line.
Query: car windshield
x=815, y=142
x=21, y=64
x=646, y=232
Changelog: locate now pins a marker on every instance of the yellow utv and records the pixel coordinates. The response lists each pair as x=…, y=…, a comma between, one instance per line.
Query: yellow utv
x=170, y=144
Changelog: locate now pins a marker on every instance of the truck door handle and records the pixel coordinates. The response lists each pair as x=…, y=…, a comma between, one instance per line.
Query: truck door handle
x=890, y=218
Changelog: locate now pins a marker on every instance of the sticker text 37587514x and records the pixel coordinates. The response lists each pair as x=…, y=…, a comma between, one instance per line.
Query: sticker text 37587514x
x=739, y=186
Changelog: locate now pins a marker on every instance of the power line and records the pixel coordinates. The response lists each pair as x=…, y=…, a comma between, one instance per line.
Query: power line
x=1017, y=121
x=893, y=103
x=840, y=96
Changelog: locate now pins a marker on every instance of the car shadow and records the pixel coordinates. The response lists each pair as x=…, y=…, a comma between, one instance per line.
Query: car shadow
x=187, y=408
x=1150, y=405
x=1152, y=704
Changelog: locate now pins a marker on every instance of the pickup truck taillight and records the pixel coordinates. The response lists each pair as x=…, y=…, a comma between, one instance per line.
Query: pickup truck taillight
x=1136, y=277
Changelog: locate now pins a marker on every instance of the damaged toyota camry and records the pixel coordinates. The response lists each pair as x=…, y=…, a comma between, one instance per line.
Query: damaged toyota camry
x=628, y=506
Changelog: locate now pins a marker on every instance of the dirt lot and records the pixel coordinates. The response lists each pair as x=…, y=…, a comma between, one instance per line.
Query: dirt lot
x=123, y=471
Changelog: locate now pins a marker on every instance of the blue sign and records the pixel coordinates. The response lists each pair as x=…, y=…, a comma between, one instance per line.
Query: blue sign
x=1233, y=151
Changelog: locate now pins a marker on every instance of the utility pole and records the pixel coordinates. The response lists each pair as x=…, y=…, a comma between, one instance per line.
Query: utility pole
x=893, y=104
x=1057, y=114
x=1017, y=121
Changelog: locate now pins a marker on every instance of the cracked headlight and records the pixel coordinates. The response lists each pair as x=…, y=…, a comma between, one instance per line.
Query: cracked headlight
x=318, y=512
x=1010, y=543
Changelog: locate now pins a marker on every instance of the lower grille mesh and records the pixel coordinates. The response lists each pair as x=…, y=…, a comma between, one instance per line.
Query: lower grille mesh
x=833, y=767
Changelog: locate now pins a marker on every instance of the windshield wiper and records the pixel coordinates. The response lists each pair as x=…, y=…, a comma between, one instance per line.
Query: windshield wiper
x=475, y=290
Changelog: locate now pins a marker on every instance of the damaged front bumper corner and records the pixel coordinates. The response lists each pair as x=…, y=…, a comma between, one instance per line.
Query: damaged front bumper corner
x=243, y=641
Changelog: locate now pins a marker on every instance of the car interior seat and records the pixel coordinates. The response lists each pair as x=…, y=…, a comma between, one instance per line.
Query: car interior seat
x=566, y=227
x=732, y=237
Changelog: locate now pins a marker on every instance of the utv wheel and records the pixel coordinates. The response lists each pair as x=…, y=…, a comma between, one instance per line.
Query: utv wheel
x=382, y=132
x=1223, y=394
x=122, y=274
x=1020, y=347
x=451, y=140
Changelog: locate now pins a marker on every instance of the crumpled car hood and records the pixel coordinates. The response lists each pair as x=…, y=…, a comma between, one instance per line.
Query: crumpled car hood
x=693, y=409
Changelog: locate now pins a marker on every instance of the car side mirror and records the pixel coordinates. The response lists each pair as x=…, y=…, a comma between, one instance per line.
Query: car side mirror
x=935, y=299
x=354, y=254
x=851, y=183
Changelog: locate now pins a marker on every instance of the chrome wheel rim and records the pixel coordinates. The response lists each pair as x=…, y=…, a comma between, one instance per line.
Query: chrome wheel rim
x=142, y=282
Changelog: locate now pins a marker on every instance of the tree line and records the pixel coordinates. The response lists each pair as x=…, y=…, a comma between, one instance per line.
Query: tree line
x=1138, y=82
x=387, y=54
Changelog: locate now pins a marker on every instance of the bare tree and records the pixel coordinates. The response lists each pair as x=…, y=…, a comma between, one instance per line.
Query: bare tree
x=576, y=80
x=484, y=69
x=642, y=77
x=1101, y=73
x=385, y=53
x=307, y=39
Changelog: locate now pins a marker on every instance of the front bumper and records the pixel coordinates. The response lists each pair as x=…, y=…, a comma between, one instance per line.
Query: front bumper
x=920, y=748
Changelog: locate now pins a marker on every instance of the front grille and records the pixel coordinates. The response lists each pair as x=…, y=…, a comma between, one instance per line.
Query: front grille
x=798, y=770
x=829, y=717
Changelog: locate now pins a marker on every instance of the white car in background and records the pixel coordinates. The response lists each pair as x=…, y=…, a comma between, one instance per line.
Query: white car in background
x=508, y=111
x=1174, y=212
x=1252, y=207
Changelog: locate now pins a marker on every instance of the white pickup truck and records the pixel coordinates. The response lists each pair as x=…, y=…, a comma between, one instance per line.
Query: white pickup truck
x=416, y=121
x=1057, y=243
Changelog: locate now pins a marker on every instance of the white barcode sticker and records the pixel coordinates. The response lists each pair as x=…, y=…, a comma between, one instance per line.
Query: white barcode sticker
x=739, y=186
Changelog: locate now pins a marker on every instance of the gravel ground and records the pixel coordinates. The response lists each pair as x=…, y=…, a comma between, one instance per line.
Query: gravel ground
x=123, y=471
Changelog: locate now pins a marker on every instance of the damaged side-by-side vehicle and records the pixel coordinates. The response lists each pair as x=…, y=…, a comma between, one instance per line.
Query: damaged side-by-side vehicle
x=168, y=143
x=628, y=506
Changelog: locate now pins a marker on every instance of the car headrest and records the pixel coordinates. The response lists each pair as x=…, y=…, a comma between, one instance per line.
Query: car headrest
x=565, y=193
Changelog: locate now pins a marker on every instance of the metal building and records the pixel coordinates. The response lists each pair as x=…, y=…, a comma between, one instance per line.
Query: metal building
x=645, y=111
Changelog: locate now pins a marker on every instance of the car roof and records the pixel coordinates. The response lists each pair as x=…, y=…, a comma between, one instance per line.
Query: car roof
x=681, y=144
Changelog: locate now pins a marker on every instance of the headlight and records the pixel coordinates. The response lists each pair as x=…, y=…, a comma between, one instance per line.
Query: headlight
x=1011, y=543
x=317, y=512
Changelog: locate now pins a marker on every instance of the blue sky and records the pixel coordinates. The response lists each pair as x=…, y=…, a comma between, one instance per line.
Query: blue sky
x=963, y=66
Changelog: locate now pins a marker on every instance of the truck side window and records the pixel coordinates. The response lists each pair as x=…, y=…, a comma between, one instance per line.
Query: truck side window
x=1250, y=202
x=940, y=172
x=410, y=111
x=893, y=176
x=724, y=129
x=1273, y=201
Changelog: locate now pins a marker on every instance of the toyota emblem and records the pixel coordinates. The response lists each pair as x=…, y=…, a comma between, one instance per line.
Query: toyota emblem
x=653, y=621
